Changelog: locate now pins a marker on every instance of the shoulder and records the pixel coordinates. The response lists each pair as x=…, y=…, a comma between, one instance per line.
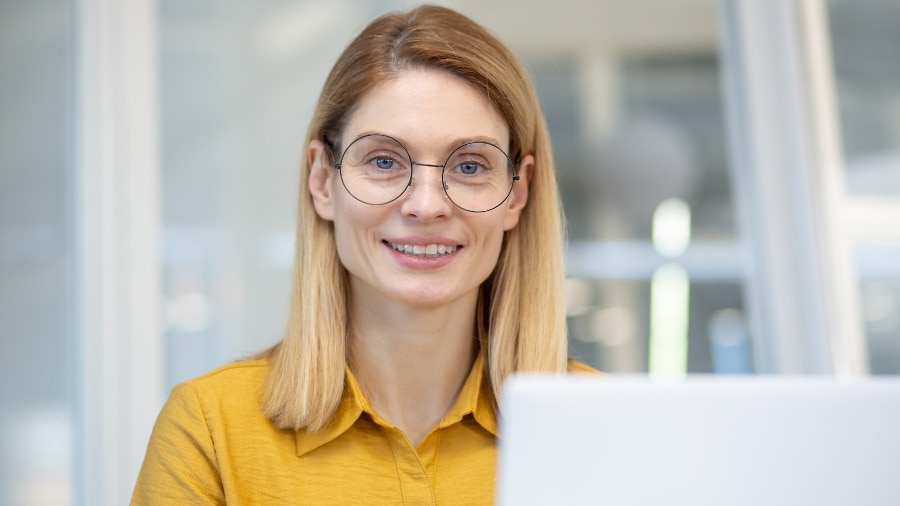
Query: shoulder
x=221, y=405
x=580, y=367
x=235, y=384
x=234, y=375
x=218, y=410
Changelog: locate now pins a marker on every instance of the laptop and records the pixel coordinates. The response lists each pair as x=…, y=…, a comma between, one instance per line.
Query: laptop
x=699, y=441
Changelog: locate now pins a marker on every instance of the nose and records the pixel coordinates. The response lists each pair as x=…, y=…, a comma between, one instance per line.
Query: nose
x=425, y=198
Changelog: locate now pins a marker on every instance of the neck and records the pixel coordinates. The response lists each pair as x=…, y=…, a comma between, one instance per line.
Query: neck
x=412, y=362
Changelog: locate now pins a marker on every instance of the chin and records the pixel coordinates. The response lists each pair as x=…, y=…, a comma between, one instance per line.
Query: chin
x=427, y=300
x=428, y=297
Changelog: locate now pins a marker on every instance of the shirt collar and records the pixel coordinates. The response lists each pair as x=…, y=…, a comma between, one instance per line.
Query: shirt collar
x=474, y=399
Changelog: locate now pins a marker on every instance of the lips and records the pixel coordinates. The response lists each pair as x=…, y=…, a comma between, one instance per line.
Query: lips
x=424, y=250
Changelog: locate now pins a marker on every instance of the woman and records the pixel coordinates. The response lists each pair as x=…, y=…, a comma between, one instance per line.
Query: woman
x=428, y=268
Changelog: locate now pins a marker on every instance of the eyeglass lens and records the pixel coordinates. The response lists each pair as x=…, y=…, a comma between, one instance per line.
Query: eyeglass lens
x=376, y=169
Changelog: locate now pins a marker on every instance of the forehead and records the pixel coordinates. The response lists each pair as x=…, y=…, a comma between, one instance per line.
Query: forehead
x=427, y=110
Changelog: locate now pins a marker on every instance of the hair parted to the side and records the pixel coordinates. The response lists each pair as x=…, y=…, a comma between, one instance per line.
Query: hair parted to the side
x=521, y=316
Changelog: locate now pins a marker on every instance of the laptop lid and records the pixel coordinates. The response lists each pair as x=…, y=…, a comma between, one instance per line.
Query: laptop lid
x=700, y=441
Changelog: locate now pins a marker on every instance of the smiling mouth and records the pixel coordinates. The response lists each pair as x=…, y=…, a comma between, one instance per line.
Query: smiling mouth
x=420, y=250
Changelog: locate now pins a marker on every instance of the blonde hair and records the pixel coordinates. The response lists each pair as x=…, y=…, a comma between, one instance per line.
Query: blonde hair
x=520, y=315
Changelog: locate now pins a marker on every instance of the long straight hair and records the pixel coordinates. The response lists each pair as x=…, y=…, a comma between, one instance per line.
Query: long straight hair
x=520, y=316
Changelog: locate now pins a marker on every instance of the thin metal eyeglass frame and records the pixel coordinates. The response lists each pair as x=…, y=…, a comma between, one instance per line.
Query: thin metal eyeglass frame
x=443, y=167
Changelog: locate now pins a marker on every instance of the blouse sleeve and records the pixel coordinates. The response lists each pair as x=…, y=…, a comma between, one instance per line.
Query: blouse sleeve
x=180, y=466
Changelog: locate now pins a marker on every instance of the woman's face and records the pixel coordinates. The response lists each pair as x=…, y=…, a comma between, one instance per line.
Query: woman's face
x=430, y=112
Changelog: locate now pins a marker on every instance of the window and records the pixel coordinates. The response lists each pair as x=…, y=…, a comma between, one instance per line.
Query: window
x=867, y=77
x=38, y=303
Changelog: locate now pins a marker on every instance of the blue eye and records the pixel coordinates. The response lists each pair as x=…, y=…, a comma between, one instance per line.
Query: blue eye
x=384, y=163
x=469, y=168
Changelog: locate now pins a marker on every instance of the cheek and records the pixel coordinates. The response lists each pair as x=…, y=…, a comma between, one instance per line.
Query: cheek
x=344, y=228
x=354, y=225
x=493, y=242
x=341, y=241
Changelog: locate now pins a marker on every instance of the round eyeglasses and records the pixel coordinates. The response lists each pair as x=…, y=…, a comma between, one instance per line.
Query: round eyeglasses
x=376, y=169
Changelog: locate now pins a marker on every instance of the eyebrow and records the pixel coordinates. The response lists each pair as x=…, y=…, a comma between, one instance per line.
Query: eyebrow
x=455, y=143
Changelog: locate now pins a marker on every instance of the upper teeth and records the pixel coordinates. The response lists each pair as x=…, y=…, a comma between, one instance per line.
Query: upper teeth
x=424, y=250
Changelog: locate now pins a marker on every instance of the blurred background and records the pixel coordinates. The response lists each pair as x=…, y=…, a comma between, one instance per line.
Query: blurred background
x=732, y=207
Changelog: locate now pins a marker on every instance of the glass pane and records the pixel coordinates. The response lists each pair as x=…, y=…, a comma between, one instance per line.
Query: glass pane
x=864, y=43
x=234, y=102
x=879, y=271
x=639, y=136
x=37, y=266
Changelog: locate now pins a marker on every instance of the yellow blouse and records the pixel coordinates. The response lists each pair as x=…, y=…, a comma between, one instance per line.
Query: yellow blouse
x=212, y=445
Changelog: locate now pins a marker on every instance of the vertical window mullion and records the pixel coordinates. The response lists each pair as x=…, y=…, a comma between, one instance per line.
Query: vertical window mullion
x=118, y=226
x=783, y=129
